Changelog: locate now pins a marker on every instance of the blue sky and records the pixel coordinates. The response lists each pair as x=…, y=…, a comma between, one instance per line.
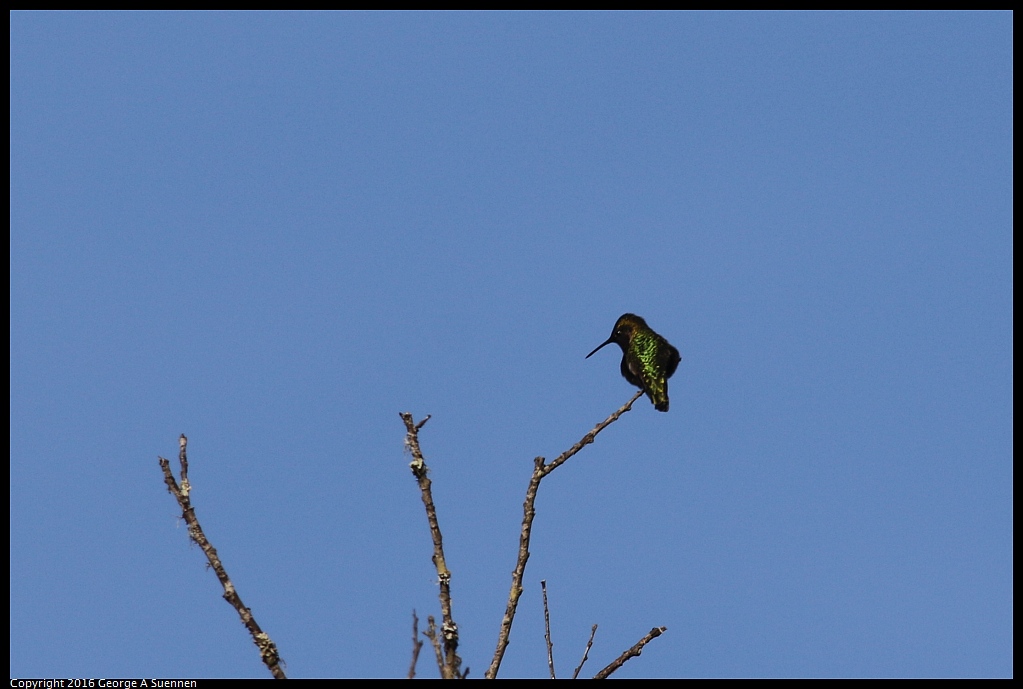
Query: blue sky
x=274, y=232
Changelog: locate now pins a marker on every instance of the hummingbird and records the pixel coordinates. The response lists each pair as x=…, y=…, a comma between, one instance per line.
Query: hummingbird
x=648, y=360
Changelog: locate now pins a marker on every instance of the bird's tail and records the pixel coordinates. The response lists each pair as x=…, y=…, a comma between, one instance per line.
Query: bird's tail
x=660, y=399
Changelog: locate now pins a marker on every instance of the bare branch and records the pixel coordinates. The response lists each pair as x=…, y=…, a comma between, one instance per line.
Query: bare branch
x=417, y=646
x=540, y=470
x=547, y=626
x=631, y=653
x=431, y=634
x=451, y=667
x=586, y=653
x=267, y=648
x=589, y=437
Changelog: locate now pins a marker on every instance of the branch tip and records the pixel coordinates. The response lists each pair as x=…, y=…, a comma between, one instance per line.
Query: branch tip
x=586, y=653
x=636, y=650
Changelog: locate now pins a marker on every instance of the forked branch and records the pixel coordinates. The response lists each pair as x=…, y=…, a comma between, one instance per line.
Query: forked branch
x=540, y=470
x=450, y=665
x=267, y=648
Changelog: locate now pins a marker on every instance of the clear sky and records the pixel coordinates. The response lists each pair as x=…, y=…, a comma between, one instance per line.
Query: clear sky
x=274, y=232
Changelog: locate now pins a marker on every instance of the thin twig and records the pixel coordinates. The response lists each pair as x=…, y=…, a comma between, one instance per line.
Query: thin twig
x=631, y=653
x=431, y=634
x=267, y=648
x=451, y=667
x=540, y=470
x=417, y=646
x=589, y=437
x=547, y=625
x=586, y=653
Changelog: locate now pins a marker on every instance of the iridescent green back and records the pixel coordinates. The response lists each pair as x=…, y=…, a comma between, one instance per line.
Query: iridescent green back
x=652, y=353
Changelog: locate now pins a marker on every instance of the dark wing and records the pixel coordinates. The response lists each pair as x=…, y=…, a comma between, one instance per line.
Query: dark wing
x=670, y=358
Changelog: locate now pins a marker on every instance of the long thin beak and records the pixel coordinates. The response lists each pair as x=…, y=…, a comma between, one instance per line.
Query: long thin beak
x=609, y=341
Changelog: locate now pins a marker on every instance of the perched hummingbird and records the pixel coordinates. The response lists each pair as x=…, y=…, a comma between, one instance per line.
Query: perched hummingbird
x=648, y=360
